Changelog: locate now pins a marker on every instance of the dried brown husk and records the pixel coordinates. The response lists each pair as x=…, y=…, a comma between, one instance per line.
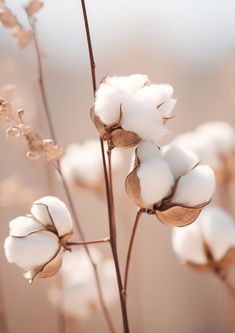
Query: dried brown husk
x=8, y=19
x=22, y=36
x=33, y=7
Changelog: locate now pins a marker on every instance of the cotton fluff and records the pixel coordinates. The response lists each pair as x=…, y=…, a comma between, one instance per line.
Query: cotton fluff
x=210, y=141
x=78, y=297
x=196, y=187
x=82, y=164
x=214, y=227
x=179, y=159
x=135, y=105
x=113, y=93
x=37, y=239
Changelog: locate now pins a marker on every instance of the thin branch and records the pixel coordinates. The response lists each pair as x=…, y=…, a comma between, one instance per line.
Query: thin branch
x=3, y=321
x=68, y=194
x=97, y=241
x=128, y=260
x=108, y=183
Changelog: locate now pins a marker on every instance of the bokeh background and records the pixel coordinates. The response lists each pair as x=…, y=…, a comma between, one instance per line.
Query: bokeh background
x=187, y=43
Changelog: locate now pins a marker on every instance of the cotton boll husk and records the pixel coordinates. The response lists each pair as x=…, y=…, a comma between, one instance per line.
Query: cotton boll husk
x=52, y=211
x=221, y=134
x=188, y=244
x=147, y=150
x=24, y=225
x=156, y=180
x=82, y=163
x=33, y=250
x=112, y=93
x=196, y=187
x=180, y=160
x=218, y=229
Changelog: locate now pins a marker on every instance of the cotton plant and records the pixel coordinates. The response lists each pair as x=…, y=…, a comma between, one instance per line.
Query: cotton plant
x=130, y=109
x=169, y=183
x=77, y=296
x=214, y=143
x=209, y=244
x=82, y=165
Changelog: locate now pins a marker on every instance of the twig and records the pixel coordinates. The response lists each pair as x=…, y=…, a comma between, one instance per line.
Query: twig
x=69, y=197
x=128, y=259
x=108, y=183
x=3, y=321
x=97, y=241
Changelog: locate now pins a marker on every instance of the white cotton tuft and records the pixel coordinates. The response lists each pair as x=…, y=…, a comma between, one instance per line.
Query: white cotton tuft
x=188, y=244
x=24, y=225
x=147, y=150
x=52, y=211
x=31, y=251
x=156, y=180
x=179, y=159
x=196, y=187
x=218, y=229
x=112, y=93
x=82, y=163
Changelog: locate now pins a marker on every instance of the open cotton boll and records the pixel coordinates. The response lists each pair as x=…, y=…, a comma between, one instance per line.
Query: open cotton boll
x=180, y=160
x=112, y=93
x=82, y=164
x=196, y=187
x=24, y=225
x=31, y=251
x=188, y=244
x=218, y=229
x=52, y=211
x=156, y=180
x=221, y=135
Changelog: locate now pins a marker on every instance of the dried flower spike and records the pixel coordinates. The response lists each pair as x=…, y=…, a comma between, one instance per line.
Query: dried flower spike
x=169, y=183
x=209, y=244
x=33, y=7
x=37, y=240
x=130, y=109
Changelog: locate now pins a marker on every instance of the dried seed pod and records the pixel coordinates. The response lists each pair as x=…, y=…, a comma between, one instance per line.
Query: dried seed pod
x=156, y=181
x=209, y=244
x=33, y=7
x=8, y=19
x=37, y=241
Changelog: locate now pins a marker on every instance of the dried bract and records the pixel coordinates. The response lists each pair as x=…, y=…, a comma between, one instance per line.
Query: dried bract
x=37, y=241
x=130, y=109
x=209, y=244
x=33, y=7
x=169, y=183
x=22, y=36
x=7, y=18
x=6, y=114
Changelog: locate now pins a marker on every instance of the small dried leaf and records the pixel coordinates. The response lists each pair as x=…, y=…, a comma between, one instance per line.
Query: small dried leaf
x=23, y=37
x=124, y=139
x=33, y=7
x=178, y=216
x=8, y=19
x=104, y=133
x=6, y=115
x=132, y=185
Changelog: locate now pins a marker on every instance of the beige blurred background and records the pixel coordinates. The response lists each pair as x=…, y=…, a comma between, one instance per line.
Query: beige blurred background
x=187, y=43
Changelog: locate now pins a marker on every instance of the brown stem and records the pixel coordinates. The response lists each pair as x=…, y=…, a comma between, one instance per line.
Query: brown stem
x=68, y=194
x=97, y=241
x=130, y=247
x=230, y=288
x=108, y=182
x=3, y=321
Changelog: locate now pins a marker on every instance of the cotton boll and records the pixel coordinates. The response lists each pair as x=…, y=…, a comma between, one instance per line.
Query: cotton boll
x=31, y=251
x=147, y=150
x=218, y=229
x=24, y=225
x=180, y=160
x=52, y=211
x=188, y=244
x=82, y=164
x=156, y=180
x=196, y=187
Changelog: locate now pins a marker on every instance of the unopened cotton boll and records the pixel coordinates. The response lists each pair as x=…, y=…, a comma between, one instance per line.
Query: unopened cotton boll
x=82, y=164
x=37, y=240
x=196, y=187
x=209, y=243
x=130, y=109
x=179, y=159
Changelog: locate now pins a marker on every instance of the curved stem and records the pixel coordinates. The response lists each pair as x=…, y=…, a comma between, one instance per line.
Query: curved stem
x=97, y=241
x=108, y=183
x=58, y=168
x=128, y=259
